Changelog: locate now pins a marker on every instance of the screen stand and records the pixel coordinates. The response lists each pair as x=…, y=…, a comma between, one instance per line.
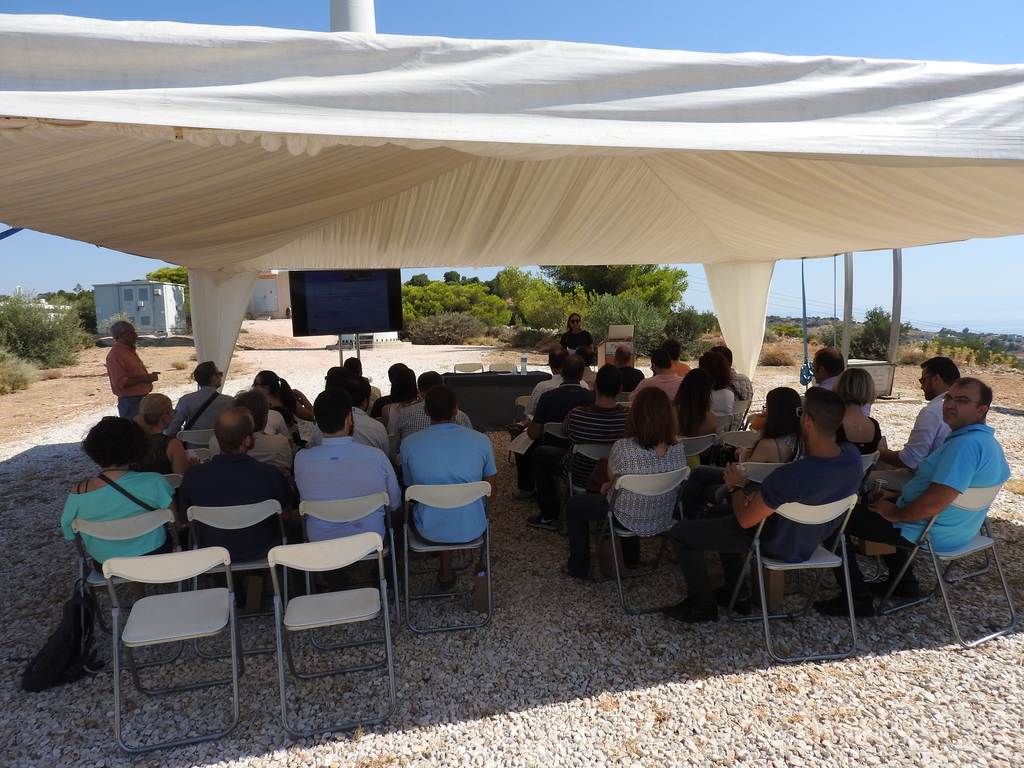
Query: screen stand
x=355, y=342
x=341, y=352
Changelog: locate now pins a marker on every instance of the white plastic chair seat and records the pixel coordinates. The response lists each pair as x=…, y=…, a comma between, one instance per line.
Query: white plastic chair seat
x=96, y=581
x=977, y=544
x=418, y=544
x=821, y=558
x=177, y=616
x=331, y=608
x=622, y=532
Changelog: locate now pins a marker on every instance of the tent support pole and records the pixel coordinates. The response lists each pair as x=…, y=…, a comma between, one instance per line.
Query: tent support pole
x=897, y=304
x=847, y=302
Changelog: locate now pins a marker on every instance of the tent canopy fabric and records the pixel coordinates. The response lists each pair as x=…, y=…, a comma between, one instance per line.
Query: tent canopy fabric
x=234, y=149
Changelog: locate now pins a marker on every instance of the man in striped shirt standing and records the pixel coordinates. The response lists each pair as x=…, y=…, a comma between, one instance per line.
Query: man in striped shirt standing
x=604, y=422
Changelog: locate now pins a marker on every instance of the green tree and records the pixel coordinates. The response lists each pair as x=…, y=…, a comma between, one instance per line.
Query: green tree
x=40, y=335
x=687, y=325
x=452, y=277
x=421, y=280
x=627, y=309
x=871, y=341
x=661, y=287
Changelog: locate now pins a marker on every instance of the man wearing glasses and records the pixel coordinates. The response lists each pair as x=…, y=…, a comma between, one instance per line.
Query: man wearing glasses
x=969, y=457
x=930, y=430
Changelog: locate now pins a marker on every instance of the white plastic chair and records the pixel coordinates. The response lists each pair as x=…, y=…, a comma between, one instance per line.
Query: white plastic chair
x=195, y=438
x=173, y=480
x=469, y=368
x=593, y=451
x=740, y=409
x=519, y=406
x=694, y=446
x=202, y=455
x=329, y=609
x=502, y=368
x=349, y=511
x=723, y=423
x=742, y=438
x=644, y=485
x=868, y=460
x=974, y=499
x=168, y=618
x=757, y=471
x=820, y=560
x=445, y=497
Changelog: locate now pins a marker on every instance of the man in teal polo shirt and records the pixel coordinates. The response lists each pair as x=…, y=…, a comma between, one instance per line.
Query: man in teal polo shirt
x=969, y=457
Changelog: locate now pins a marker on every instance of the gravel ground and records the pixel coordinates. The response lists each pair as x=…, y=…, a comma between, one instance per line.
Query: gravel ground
x=560, y=676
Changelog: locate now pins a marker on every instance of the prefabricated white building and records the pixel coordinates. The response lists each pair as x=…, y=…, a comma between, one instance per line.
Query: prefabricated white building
x=150, y=306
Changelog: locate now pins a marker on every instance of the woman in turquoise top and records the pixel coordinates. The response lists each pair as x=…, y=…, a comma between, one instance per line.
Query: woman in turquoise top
x=115, y=443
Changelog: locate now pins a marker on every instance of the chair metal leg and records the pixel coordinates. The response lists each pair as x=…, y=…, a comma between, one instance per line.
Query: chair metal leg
x=409, y=597
x=943, y=589
x=884, y=610
x=647, y=572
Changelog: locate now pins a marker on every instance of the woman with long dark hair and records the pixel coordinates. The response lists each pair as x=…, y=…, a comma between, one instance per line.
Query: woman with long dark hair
x=722, y=396
x=403, y=392
x=694, y=414
x=289, y=402
x=779, y=437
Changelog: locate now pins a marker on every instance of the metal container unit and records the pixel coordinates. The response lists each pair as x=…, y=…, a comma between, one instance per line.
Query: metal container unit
x=150, y=306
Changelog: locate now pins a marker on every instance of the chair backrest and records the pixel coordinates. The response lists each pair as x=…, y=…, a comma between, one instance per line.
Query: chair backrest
x=740, y=408
x=757, y=471
x=722, y=423
x=235, y=517
x=595, y=451
x=502, y=368
x=167, y=568
x=124, y=528
x=694, y=445
x=469, y=367
x=344, y=510
x=199, y=437
x=868, y=460
x=327, y=555
x=652, y=485
x=173, y=480
x=742, y=438
x=817, y=514
x=554, y=428
x=448, y=496
x=199, y=454
x=977, y=499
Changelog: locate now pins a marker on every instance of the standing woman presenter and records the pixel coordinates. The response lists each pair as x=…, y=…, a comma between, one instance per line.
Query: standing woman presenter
x=577, y=341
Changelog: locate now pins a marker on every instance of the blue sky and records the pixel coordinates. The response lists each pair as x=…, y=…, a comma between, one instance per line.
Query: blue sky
x=943, y=284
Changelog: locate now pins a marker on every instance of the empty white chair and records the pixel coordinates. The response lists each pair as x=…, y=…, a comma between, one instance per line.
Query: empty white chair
x=502, y=368
x=195, y=438
x=469, y=367
x=821, y=559
x=697, y=445
x=975, y=499
x=169, y=618
x=445, y=497
x=740, y=409
x=645, y=485
x=329, y=609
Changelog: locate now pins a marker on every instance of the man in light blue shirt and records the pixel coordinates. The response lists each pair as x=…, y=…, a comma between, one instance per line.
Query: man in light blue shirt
x=970, y=457
x=446, y=453
x=341, y=468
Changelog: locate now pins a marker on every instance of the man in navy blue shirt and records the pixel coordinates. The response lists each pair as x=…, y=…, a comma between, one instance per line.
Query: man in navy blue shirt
x=827, y=472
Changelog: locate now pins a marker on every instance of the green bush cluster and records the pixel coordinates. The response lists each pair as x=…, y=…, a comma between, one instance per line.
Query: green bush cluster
x=446, y=328
x=15, y=373
x=627, y=309
x=434, y=298
x=50, y=338
x=686, y=326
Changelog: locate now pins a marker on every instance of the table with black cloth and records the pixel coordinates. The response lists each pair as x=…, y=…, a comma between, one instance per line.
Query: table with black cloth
x=489, y=398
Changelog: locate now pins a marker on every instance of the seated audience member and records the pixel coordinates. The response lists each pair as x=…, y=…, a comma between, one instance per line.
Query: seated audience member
x=649, y=447
x=275, y=450
x=603, y=422
x=413, y=417
x=693, y=405
x=403, y=392
x=446, y=453
x=970, y=457
x=827, y=472
x=377, y=409
x=856, y=389
x=826, y=365
x=777, y=443
x=365, y=430
x=114, y=444
x=200, y=409
x=230, y=478
x=722, y=396
x=556, y=360
x=354, y=368
x=341, y=468
x=930, y=430
x=290, y=403
x=740, y=383
x=553, y=406
x=674, y=351
x=164, y=454
x=630, y=375
x=664, y=377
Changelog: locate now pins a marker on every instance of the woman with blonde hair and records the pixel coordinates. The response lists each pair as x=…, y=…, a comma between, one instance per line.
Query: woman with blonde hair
x=164, y=454
x=857, y=390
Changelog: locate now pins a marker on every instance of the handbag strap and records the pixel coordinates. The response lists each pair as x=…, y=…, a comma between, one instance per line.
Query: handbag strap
x=202, y=408
x=123, y=492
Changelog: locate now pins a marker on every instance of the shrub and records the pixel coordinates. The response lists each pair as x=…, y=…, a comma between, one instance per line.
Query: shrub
x=687, y=326
x=871, y=341
x=40, y=335
x=15, y=373
x=179, y=365
x=103, y=326
x=530, y=338
x=626, y=309
x=911, y=356
x=446, y=328
x=772, y=354
x=49, y=374
x=787, y=330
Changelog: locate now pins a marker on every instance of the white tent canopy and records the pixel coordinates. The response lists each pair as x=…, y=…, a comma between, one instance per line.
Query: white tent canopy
x=234, y=149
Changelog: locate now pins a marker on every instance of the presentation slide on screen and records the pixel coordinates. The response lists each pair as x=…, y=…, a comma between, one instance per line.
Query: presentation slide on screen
x=344, y=303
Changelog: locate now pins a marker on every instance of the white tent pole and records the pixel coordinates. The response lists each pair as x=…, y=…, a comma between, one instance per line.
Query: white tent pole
x=219, y=301
x=897, y=304
x=847, y=302
x=739, y=292
x=353, y=16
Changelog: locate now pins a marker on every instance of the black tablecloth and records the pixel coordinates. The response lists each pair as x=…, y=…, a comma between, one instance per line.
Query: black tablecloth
x=489, y=398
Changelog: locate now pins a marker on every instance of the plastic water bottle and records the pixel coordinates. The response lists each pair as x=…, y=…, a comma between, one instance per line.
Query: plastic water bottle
x=522, y=363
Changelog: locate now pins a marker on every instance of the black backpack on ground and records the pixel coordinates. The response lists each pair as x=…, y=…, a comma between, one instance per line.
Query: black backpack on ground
x=68, y=654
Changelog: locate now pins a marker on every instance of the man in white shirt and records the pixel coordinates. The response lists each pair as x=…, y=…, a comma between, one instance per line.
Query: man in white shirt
x=930, y=430
x=555, y=361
